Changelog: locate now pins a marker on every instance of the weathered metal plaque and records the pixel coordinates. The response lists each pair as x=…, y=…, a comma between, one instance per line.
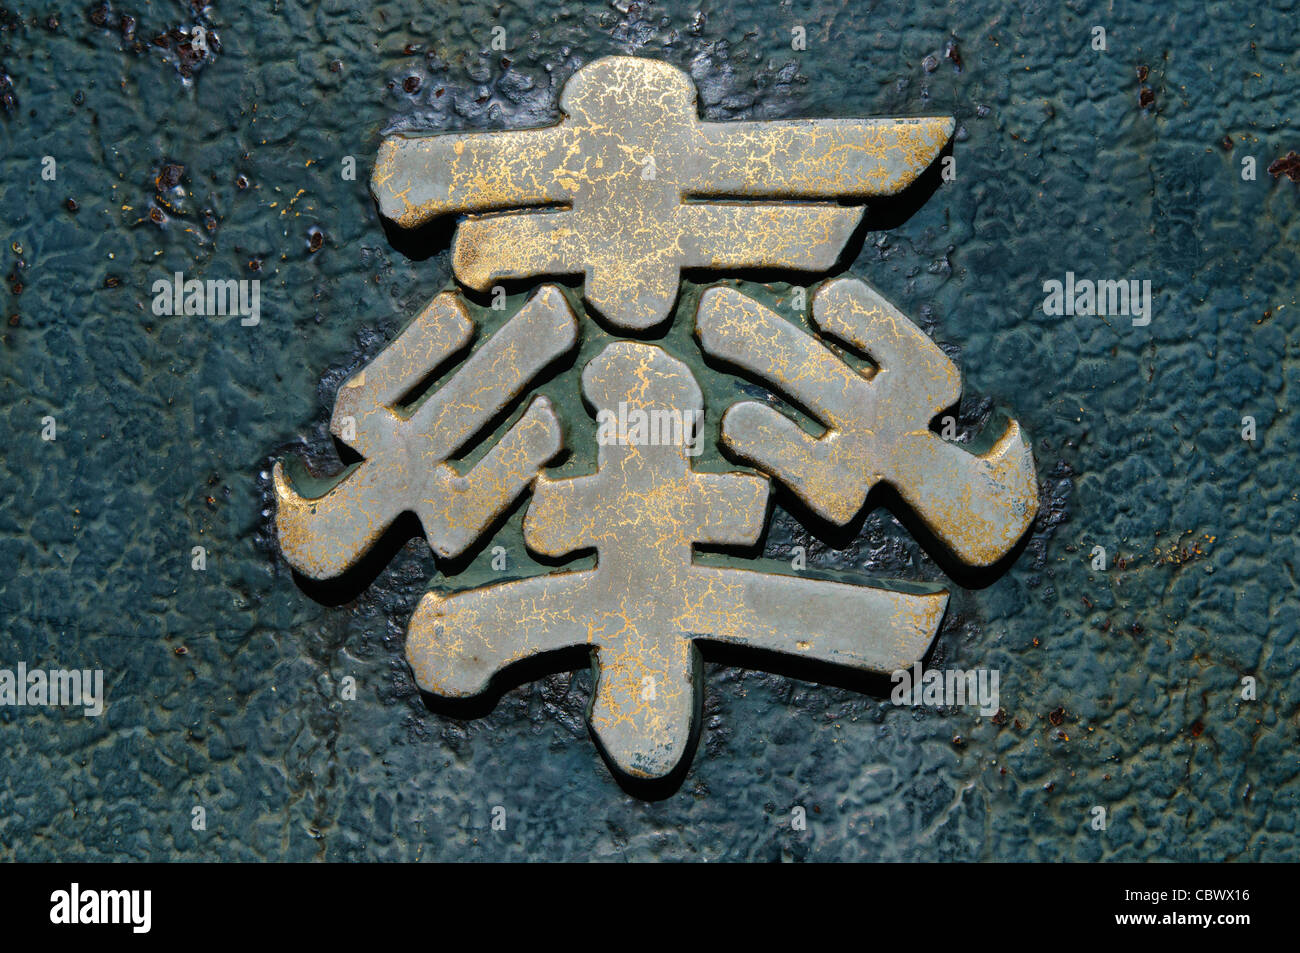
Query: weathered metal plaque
x=627, y=190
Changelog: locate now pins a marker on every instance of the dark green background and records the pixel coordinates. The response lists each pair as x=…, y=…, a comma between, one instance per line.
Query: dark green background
x=168, y=426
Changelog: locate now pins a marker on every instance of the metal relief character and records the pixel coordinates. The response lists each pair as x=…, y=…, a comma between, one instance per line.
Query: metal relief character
x=627, y=190
x=645, y=189
x=878, y=427
x=646, y=602
x=406, y=448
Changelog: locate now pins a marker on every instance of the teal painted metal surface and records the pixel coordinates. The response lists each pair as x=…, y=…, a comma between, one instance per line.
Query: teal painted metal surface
x=225, y=687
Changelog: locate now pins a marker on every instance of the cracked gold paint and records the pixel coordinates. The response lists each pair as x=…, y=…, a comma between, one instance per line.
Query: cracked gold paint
x=406, y=450
x=637, y=184
x=878, y=427
x=629, y=189
x=646, y=602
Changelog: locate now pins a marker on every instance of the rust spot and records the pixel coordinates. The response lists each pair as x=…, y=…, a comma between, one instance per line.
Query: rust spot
x=953, y=53
x=1056, y=716
x=1288, y=165
x=169, y=176
x=7, y=98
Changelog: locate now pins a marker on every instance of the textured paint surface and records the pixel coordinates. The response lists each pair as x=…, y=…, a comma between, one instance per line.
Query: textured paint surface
x=1119, y=688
